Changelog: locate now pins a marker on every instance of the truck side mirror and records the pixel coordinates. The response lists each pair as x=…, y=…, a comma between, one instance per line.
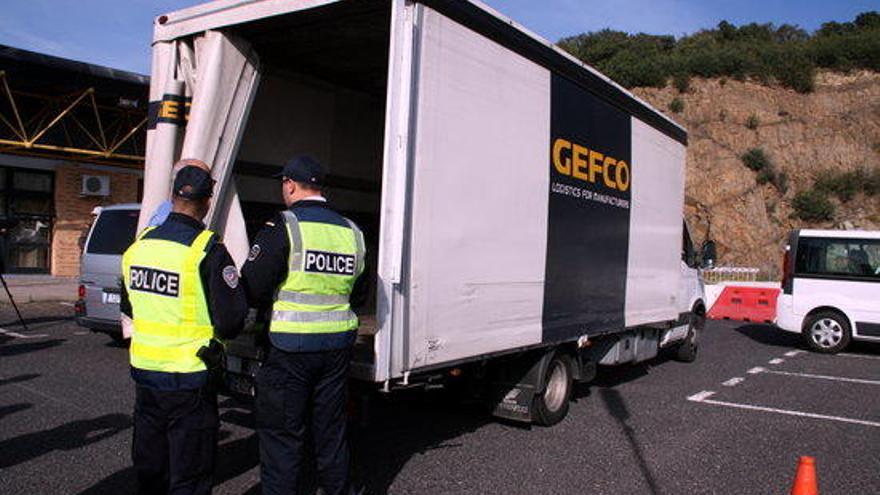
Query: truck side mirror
x=708, y=254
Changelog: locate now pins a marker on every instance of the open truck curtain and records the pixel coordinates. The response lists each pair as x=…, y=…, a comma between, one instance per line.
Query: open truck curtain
x=200, y=97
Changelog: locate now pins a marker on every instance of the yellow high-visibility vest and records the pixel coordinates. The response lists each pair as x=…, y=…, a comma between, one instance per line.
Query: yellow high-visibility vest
x=324, y=262
x=170, y=313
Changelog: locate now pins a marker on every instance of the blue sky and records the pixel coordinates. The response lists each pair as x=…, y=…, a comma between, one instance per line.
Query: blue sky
x=117, y=33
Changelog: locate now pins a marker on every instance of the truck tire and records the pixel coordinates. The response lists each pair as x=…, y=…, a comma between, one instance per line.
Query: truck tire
x=827, y=332
x=551, y=405
x=686, y=352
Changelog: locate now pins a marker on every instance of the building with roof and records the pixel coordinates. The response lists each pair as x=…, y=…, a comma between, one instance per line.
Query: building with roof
x=72, y=137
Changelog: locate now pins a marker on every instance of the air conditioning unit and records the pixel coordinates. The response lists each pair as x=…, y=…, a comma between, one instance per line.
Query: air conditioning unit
x=95, y=185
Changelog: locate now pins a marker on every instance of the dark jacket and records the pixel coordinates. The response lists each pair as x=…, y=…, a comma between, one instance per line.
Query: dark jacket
x=267, y=268
x=227, y=303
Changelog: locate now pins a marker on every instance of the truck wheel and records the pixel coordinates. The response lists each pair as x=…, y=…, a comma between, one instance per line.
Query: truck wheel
x=686, y=352
x=551, y=405
x=827, y=332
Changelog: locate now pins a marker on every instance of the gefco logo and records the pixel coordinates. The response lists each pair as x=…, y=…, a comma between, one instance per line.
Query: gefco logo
x=172, y=109
x=591, y=166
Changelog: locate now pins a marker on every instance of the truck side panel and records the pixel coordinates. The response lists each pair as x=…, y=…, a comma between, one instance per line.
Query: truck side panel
x=655, y=227
x=480, y=206
x=542, y=212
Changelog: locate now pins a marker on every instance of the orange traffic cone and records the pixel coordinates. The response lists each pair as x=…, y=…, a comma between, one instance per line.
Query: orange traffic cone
x=805, y=482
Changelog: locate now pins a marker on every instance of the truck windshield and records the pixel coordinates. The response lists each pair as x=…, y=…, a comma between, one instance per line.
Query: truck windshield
x=113, y=232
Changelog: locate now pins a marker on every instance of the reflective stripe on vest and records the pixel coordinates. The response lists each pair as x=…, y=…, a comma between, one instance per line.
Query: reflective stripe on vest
x=171, y=318
x=324, y=262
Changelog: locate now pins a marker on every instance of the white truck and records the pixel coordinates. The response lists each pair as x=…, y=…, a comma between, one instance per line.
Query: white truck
x=523, y=213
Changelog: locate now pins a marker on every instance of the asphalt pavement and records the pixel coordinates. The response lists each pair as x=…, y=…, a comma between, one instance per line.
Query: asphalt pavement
x=735, y=421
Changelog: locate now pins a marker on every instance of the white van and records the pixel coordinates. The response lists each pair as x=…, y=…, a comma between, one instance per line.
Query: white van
x=831, y=288
x=100, y=268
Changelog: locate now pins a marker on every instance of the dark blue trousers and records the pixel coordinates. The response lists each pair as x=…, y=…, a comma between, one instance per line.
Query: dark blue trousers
x=175, y=441
x=298, y=391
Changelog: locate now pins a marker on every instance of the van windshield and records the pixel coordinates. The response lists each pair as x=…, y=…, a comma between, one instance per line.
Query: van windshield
x=113, y=232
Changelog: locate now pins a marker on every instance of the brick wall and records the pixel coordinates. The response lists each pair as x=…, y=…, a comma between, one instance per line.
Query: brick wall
x=73, y=212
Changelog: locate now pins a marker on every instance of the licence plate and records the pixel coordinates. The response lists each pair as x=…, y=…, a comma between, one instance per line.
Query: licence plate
x=111, y=298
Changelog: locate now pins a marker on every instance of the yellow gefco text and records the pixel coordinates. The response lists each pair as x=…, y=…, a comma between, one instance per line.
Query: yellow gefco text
x=589, y=165
x=174, y=110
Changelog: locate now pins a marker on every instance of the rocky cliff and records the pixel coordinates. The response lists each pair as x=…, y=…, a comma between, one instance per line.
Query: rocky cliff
x=836, y=127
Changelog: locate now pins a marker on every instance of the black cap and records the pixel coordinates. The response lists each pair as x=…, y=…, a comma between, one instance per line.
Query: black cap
x=200, y=183
x=303, y=168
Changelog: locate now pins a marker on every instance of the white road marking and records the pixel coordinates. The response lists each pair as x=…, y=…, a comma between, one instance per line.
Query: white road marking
x=793, y=353
x=65, y=303
x=776, y=361
x=860, y=356
x=701, y=396
x=826, y=377
x=733, y=382
x=17, y=335
x=702, y=400
x=756, y=370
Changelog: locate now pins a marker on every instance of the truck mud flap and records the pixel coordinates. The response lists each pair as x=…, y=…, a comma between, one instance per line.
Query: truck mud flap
x=514, y=382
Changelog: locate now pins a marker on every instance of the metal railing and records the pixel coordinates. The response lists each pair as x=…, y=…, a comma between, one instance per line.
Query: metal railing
x=730, y=274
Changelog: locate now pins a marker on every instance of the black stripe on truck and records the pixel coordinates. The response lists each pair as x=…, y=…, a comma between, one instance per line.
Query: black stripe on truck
x=591, y=170
x=499, y=31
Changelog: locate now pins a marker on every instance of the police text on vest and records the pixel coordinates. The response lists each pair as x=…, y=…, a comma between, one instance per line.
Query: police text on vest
x=329, y=263
x=154, y=281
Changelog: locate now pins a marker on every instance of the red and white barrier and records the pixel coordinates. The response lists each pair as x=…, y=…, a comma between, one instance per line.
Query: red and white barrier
x=743, y=301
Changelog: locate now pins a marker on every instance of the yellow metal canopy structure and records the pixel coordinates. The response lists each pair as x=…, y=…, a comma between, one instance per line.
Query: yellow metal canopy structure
x=52, y=107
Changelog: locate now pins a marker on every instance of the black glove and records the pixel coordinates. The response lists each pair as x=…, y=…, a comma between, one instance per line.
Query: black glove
x=214, y=357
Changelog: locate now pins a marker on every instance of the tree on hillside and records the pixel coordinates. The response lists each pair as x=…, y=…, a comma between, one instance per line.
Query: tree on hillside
x=786, y=54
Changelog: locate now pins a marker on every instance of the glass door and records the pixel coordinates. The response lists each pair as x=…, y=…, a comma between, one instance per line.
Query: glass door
x=26, y=218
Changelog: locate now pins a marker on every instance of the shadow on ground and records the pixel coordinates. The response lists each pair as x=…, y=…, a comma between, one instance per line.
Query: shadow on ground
x=18, y=379
x=7, y=350
x=773, y=336
x=770, y=335
x=70, y=436
x=400, y=427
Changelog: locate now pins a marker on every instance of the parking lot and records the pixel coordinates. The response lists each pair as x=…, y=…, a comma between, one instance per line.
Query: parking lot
x=733, y=422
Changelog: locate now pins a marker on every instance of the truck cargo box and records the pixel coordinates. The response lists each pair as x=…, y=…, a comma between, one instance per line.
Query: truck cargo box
x=511, y=197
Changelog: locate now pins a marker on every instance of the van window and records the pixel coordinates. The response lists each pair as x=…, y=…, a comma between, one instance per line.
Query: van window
x=113, y=232
x=839, y=258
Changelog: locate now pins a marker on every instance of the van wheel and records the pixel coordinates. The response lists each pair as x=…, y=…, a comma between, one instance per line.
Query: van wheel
x=827, y=332
x=686, y=352
x=551, y=405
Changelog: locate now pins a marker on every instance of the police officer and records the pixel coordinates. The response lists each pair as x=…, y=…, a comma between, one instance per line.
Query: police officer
x=181, y=290
x=304, y=263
